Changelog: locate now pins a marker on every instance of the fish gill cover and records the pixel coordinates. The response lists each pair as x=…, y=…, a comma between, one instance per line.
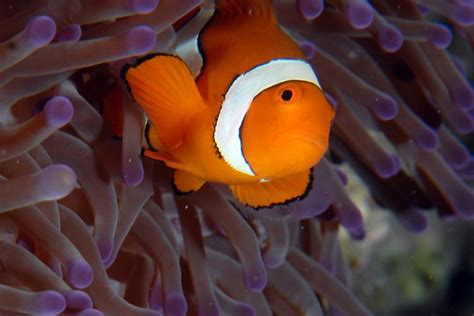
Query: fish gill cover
x=89, y=227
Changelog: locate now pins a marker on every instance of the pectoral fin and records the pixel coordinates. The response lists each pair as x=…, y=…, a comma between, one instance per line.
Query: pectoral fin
x=164, y=88
x=274, y=192
x=185, y=182
x=168, y=159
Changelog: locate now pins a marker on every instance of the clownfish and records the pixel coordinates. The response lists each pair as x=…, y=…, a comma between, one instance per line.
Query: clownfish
x=255, y=118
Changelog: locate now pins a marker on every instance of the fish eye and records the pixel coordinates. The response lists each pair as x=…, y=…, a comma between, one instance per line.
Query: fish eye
x=286, y=95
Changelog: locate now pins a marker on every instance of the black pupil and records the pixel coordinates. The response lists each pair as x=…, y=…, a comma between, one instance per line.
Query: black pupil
x=286, y=95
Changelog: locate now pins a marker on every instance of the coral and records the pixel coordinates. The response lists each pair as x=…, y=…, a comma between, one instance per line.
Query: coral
x=89, y=227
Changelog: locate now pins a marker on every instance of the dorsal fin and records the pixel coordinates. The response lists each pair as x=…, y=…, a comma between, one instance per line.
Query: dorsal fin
x=256, y=8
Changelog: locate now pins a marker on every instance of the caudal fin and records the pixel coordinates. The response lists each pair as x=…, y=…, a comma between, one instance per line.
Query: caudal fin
x=165, y=89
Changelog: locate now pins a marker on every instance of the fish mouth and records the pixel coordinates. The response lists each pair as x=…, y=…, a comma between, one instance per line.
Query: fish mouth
x=307, y=139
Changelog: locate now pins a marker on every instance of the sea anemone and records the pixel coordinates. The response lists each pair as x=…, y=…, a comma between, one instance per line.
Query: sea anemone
x=89, y=227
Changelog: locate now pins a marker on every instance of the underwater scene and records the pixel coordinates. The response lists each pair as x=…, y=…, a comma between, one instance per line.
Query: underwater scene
x=237, y=157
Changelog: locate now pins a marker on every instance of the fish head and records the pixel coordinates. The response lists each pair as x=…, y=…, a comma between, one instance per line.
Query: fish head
x=286, y=129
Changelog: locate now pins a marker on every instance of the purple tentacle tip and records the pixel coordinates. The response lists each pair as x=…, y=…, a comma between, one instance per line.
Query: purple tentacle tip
x=141, y=39
x=89, y=312
x=462, y=96
x=80, y=274
x=110, y=260
x=342, y=176
x=423, y=10
x=58, y=111
x=175, y=305
x=358, y=234
x=467, y=172
x=413, y=220
x=273, y=261
x=458, y=158
x=390, y=39
x=308, y=49
x=255, y=280
x=50, y=302
x=440, y=36
x=78, y=300
x=132, y=171
x=360, y=14
x=69, y=33
x=351, y=218
x=41, y=30
x=464, y=203
x=385, y=107
x=427, y=139
x=246, y=310
x=143, y=6
x=464, y=123
x=310, y=9
x=388, y=167
x=57, y=181
x=156, y=298
x=464, y=14
x=105, y=247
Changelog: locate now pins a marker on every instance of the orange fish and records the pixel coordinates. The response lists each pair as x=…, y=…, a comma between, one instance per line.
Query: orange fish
x=255, y=118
